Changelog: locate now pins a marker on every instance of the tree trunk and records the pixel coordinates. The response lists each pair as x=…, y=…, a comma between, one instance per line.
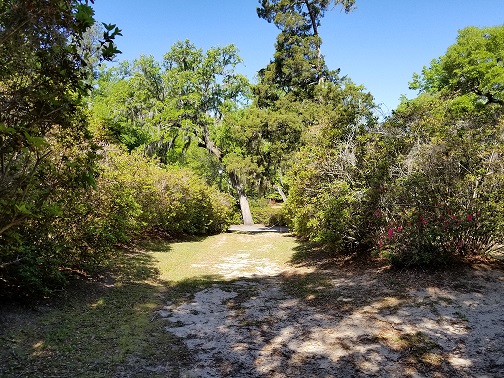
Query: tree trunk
x=281, y=192
x=244, y=204
x=235, y=180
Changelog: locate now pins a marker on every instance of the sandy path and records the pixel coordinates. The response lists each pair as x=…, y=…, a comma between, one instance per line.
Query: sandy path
x=341, y=323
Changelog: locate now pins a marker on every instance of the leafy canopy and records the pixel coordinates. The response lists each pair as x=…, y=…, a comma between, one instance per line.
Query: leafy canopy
x=160, y=104
x=298, y=63
x=474, y=65
x=43, y=80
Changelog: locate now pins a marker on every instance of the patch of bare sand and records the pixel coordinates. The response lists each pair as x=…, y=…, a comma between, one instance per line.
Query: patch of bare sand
x=361, y=323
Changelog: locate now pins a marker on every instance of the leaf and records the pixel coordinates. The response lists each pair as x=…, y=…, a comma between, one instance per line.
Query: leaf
x=36, y=142
x=23, y=209
x=109, y=27
x=85, y=15
x=6, y=130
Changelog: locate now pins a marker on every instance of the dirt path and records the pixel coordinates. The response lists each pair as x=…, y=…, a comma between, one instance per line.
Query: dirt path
x=272, y=319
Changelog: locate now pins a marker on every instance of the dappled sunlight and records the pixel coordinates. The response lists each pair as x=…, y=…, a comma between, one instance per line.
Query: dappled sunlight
x=306, y=321
x=100, y=329
x=40, y=350
x=242, y=265
x=99, y=303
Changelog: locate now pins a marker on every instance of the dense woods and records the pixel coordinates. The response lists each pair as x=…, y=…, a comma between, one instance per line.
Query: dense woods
x=94, y=155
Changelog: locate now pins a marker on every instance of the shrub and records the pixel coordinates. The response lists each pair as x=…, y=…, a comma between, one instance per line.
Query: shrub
x=131, y=194
x=134, y=193
x=442, y=198
x=423, y=189
x=442, y=208
x=266, y=212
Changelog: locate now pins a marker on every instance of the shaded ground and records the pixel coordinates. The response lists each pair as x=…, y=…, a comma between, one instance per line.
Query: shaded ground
x=283, y=321
x=262, y=305
x=257, y=228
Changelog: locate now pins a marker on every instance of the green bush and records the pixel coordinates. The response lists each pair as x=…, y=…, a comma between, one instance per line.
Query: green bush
x=131, y=194
x=447, y=203
x=423, y=189
x=266, y=212
x=134, y=194
x=327, y=208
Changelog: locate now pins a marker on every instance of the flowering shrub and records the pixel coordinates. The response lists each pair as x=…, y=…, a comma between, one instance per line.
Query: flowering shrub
x=433, y=238
x=423, y=189
x=446, y=199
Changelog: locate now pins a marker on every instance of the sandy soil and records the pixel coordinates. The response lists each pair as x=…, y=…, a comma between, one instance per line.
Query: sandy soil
x=282, y=321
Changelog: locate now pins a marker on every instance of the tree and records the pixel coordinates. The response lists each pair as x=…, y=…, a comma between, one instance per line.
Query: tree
x=443, y=197
x=202, y=85
x=298, y=63
x=177, y=103
x=473, y=66
x=329, y=187
x=46, y=154
x=260, y=142
x=42, y=83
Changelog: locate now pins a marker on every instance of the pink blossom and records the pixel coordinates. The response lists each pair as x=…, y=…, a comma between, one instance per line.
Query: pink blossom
x=390, y=233
x=470, y=217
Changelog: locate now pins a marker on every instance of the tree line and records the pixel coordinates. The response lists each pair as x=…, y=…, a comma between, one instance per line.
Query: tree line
x=92, y=156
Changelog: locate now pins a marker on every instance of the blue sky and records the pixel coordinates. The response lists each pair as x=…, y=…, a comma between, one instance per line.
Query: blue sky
x=379, y=45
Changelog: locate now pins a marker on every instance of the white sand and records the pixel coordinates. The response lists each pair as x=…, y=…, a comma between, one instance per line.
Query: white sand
x=255, y=329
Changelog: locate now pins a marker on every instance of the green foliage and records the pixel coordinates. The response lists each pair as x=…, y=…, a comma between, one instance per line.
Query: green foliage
x=443, y=201
x=46, y=153
x=267, y=212
x=170, y=199
x=131, y=194
x=256, y=144
x=298, y=64
x=424, y=187
x=170, y=108
x=473, y=65
x=165, y=106
x=421, y=189
x=328, y=194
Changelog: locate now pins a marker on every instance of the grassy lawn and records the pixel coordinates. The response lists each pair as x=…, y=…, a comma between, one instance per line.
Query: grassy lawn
x=194, y=258
x=109, y=327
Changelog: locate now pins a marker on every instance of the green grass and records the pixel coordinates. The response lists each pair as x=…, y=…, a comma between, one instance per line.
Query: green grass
x=95, y=329
x=189, y=259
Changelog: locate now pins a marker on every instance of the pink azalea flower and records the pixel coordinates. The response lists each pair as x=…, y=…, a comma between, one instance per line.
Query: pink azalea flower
x=390, y=233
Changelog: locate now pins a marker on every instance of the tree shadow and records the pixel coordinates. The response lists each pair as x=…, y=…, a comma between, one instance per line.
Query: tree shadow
x=354, y=321
x=103, y=326
x=161, y=244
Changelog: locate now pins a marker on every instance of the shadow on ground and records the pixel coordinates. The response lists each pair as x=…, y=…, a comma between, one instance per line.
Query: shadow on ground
x=314, y=319
x=100, y=327
x=350, y=321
